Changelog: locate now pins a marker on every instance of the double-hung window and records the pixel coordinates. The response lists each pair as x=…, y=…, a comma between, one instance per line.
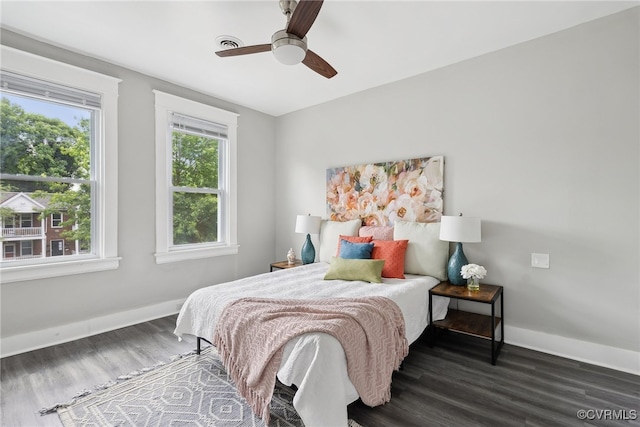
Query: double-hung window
x=195, y=180
x=58, y=160
x=56, y=220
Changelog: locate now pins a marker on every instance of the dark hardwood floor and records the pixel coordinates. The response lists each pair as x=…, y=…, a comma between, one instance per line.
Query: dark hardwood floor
x=451, y=384
x=41, y=378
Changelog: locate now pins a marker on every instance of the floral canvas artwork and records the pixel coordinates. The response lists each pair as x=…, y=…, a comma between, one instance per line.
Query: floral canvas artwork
x=380, y=193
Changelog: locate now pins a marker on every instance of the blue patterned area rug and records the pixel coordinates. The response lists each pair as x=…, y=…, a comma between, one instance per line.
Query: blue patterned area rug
x=191, y=391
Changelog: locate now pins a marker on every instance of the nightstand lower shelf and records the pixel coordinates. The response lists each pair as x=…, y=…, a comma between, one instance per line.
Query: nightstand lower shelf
x=478, y=325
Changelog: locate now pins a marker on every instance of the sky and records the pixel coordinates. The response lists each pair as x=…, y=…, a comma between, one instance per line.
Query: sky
x=68, y=114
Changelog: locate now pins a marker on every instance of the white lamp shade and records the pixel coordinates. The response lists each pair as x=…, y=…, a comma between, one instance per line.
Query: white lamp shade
x=308, y=224
x=462, y=229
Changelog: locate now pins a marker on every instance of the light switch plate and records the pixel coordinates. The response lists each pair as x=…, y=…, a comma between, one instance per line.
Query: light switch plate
x=539, y=260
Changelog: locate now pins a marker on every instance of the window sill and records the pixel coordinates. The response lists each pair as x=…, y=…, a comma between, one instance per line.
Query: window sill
x=21, y=273
x=195, y=253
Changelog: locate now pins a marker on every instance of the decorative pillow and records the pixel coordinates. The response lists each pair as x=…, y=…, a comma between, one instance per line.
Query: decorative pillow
x=366, y=270
x=353, y=239
x=426, y=254
x=350, y=250
x=393, y=253
x=383, y=232
x=330, y=232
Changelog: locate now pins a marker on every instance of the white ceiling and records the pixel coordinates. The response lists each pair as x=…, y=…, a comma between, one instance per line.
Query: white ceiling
x=369, y=43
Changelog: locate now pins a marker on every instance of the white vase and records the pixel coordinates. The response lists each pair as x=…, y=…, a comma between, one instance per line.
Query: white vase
x=291, y=256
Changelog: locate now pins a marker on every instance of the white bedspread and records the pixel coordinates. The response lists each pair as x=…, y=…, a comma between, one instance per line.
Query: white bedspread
x=315, y=363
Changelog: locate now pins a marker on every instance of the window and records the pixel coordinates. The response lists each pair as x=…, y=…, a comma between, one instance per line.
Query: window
x=9, y=250
x=58, y=152
x=26, y=248
x=26, y=220
x=195, y=180
x=56, y=220
x=8, y=221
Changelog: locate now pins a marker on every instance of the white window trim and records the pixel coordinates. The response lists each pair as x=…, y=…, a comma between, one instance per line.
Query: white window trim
x=165, y=253
x=22, y=246
x=60, y=223
x=7, y=246
x=22, y=221
x=106, y=162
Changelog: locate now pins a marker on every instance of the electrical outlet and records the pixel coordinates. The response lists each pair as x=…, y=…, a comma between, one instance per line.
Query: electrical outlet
x=539, y=260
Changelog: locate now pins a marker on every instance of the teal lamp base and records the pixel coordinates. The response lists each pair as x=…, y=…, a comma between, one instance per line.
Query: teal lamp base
x=308, y=253
x=456, y=262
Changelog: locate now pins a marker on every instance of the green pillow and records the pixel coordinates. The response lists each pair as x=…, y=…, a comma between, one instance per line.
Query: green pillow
x=366, y=270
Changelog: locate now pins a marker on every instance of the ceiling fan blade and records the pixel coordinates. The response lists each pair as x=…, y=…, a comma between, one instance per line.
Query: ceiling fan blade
x=303, y=17
x=319, y=65
x=245, y=50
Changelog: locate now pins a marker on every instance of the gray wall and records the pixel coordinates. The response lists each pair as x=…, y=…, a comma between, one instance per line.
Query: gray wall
x=139, y=282
x=540, y=141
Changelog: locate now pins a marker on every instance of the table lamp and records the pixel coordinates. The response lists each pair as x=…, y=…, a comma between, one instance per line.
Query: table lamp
x=459, y=229
x=310, y=225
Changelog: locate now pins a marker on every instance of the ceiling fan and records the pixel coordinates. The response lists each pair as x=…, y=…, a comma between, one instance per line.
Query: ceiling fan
x=289, y=46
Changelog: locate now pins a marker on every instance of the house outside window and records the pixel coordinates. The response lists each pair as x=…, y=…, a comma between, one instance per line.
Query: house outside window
x=58, y=154
x=26, y=248
x=26, y=220
x=56, y=220
x=195, y=180
x=9, y=250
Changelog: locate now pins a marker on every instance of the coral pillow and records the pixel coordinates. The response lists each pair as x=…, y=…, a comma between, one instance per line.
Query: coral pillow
x=352, y=239
x=392, y=252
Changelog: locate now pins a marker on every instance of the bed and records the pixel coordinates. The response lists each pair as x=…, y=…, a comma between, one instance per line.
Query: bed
x=315, y=362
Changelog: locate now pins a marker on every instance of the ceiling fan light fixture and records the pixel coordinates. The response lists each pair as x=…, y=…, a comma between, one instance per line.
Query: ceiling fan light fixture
x=287, y=48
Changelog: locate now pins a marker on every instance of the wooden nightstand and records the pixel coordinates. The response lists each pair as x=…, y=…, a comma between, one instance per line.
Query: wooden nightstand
x=477, y=325
x=285, y=264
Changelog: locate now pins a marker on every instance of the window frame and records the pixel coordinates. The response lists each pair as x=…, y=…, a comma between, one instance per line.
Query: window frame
x=7, y=224
x=165, y=105
x=105, y=162
x=8, y=245
x=54, y=220
x=26, y=243
x=26, y=218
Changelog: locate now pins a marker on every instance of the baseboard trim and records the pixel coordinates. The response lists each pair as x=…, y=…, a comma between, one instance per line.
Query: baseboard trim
x=582, y=351
x=35, y=340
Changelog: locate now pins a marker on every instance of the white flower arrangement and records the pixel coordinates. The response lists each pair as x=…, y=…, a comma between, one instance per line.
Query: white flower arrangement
x=473, y=271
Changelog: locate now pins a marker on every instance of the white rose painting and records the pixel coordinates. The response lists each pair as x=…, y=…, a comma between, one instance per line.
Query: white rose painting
x=381, y=193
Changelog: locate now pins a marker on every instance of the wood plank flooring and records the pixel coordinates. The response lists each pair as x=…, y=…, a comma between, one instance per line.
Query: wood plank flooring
x=451, y=384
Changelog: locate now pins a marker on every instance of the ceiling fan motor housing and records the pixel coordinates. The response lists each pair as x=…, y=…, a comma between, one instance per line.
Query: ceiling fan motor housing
x=288, y=48
x=287, y=7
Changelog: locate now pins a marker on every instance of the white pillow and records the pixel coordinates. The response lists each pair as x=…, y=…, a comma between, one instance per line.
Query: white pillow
x=426, y=253
x=330, y=232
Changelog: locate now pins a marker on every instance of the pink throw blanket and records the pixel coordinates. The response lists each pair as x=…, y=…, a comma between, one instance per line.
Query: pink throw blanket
x=251, y=333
